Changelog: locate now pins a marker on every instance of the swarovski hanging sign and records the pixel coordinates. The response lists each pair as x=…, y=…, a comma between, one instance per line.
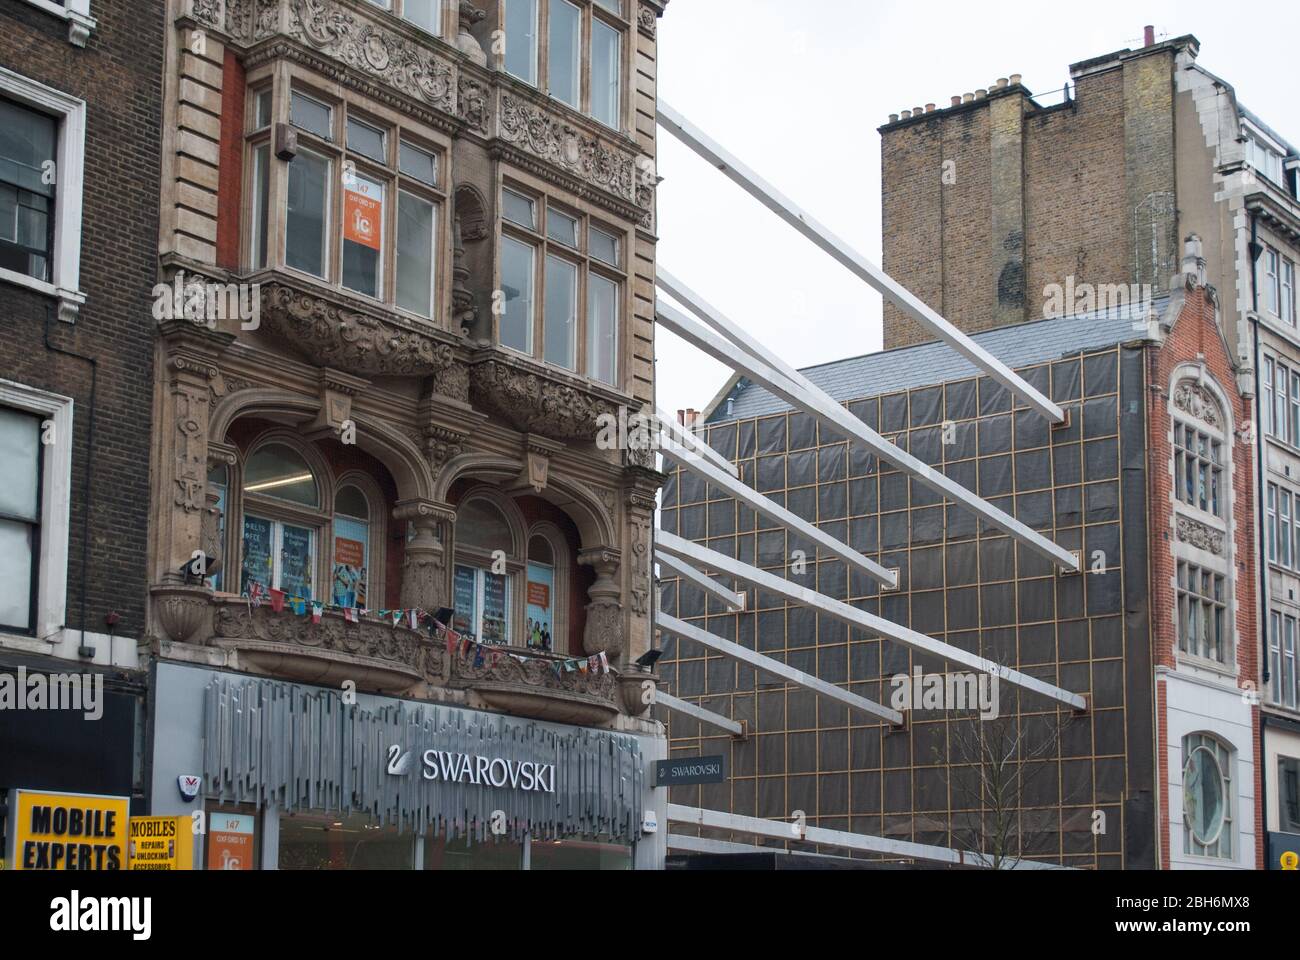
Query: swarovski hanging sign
x=422, y=767
x=479, y=770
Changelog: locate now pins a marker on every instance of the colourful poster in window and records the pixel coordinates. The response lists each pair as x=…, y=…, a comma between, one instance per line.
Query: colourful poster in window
x=541, y=616
x=363, y=213
x=295, y=561
x=351, y=538
x=495, y=626
x=466, y=593
x=258, y=536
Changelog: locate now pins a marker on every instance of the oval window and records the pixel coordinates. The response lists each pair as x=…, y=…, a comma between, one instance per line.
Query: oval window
x=1203, y=799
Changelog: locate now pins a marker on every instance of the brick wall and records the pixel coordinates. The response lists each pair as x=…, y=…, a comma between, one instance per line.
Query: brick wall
x=986, y=203
x=118, y=74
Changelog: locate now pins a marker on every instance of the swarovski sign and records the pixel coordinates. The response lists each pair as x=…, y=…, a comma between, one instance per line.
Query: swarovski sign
x=481, y=771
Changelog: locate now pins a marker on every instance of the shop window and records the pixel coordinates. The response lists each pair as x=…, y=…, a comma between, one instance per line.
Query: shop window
x=574, y=322
x=349, y=843
x=1207, y=797
x=585, y=42
x=578, y=855
x=467, y=854
x=362, y=205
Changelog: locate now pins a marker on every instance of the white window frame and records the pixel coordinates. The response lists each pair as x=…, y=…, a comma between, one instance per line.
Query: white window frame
x=1228, y=784
x=70, y=153
x=56, y=501
x=76, y=12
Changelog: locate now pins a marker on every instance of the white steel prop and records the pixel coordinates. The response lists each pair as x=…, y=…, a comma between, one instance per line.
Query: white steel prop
x=690, y=441
x=825, y=409
x=704, y=558
x=779, y=830
x=775, y=668
x=762, y=191
x=735, y=602
x=699, y=713
x=780, y=514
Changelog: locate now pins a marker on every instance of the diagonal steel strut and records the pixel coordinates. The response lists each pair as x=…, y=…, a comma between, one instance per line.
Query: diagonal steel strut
x=839, y=250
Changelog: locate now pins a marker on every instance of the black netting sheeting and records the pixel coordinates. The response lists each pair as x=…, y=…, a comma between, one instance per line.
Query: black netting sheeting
x=961, y=580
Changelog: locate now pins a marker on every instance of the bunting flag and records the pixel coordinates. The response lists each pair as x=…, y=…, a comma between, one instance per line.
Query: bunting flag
x=317, y=611
x=604, y=661
x=414, y=617
x=299, y=606
x=277, y=601
x=350, y=615
x=255, y=593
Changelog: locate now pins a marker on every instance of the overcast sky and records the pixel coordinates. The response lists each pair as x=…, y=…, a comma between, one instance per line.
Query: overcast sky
x=797, y=89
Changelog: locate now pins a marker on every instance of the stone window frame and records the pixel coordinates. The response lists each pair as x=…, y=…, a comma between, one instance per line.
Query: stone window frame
x=70, y=112
x=543, y=245
x=1194, y=531
x=321, y=520
x=1203, y=739
x=77, y=12
x=1277, y=653
x=282, y=79
x=56, y=504
x=590, y=11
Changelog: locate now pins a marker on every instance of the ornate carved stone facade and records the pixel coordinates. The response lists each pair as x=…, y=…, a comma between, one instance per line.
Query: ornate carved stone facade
x=1196, y=402
x=1197, y=534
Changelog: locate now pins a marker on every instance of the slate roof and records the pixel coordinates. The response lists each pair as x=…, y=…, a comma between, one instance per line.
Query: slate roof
x=892, y=371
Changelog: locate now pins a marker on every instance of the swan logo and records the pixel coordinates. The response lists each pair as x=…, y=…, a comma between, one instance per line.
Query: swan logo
x=399, y=764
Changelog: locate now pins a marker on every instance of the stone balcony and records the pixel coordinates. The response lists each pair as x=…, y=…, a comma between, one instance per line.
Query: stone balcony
x=379, y=657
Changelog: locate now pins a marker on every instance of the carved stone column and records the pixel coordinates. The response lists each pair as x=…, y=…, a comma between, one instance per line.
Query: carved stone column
x=425, y=580
x=187, y=369
x=641, y=485
x=604, y=632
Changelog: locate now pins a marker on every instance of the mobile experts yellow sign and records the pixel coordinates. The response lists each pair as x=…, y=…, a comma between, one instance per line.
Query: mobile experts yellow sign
x=68, y=831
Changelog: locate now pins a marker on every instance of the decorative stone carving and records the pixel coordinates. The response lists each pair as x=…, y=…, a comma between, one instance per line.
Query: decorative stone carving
x=337, y=391
x=181, y=609
x=633, y=688
x=340, y=35
x=538, y=452
x=472, y=103
x=370, y=638
x=647, y=19
x=530, y=688
x=604, y=632
x=209, y=12
x=547, y=138
x=331, y=336
x=535, y=403
x=441, y=446
x=468, y=16
x=1195, y=401
x=452, y=381
x=1200, y=536
x=640, y=589
x=252, y=20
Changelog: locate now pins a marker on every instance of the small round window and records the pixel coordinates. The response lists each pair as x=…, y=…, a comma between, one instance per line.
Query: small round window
x=1203, y=798
x=280, y=472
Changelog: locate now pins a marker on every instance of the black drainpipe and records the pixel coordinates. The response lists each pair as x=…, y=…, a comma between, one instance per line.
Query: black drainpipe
x=84, y=651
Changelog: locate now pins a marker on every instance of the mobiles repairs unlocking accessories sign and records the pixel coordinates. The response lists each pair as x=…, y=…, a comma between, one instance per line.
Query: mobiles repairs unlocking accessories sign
x=161, y=843
x=67, y=831
x=417, y=766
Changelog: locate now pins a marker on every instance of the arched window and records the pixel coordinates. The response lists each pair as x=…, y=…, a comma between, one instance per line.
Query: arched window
x=351, y=572
x=1202, y=515
x=282, y=521
x=1207, y=797
x=542, y=633
x=487, y=568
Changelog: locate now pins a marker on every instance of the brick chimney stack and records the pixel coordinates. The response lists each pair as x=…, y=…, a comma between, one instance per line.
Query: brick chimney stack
x=1150, y=36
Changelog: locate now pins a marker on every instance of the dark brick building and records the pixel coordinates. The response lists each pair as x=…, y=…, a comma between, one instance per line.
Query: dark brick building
x=80, y=92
